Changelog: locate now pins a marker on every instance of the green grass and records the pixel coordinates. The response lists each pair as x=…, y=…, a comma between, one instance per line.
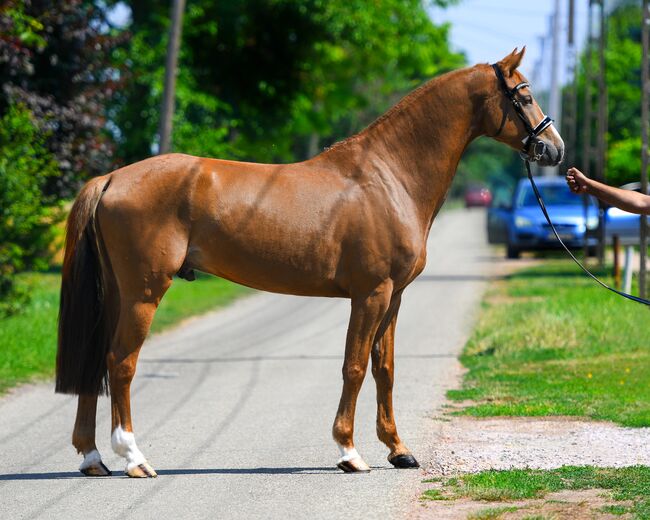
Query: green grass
x=185, y=299
x=625, y=484
x=28, y=340
x=491, y=513
x=551, y=342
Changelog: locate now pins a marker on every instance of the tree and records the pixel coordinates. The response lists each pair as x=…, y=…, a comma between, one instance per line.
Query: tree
x=623, y=77
x=55, y=59
x=26, y=218
x=276, y=79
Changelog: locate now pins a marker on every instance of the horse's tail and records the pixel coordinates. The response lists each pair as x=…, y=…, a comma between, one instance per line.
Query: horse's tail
x=85, y=329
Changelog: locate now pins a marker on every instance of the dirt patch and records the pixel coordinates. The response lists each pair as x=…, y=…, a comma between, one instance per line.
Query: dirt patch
x=562, y=505
x=469, y=445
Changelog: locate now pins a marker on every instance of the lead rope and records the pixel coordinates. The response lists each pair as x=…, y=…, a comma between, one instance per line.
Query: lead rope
x=587, y=271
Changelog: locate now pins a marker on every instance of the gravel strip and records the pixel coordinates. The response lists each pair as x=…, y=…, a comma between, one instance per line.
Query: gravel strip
x=469, y=445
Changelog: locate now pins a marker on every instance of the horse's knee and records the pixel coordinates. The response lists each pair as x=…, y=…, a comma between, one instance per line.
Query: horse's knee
x=354, y=373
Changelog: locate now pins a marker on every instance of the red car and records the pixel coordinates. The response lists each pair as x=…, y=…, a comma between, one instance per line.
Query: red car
x=477, y=196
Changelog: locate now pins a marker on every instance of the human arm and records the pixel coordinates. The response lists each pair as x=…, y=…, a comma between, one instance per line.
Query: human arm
x=626, y=200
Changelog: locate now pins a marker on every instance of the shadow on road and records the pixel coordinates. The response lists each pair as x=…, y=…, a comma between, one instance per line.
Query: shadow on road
x=63, y=475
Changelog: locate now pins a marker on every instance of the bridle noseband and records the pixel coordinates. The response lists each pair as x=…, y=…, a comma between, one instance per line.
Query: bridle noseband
x=533, y=131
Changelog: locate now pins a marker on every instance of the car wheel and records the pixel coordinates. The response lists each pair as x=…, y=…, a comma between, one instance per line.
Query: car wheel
x=512, y=252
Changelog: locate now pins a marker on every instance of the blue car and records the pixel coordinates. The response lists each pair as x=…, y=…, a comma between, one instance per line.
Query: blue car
x=521, y=225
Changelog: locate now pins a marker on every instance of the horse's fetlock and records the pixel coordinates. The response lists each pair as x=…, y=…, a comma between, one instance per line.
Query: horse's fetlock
x=342, y=433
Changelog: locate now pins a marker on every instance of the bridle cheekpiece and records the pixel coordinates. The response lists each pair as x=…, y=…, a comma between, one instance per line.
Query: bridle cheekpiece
x=533, y=131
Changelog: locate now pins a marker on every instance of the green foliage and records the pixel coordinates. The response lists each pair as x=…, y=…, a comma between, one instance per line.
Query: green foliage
x=26, y=220
x=275, y=80
x=28, y=339
x=185, y=299
x=550, y=342
x=56, y=59
x=623, y=58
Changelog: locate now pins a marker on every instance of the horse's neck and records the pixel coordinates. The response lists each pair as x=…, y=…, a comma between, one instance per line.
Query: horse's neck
x=421, y=140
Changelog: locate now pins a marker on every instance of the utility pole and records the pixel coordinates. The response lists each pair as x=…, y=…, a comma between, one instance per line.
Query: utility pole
x=570, y=111
x=570, y=104
x=596, y=154
x=169, y=94
x=601, y=144
x=587, y=116
x=555, y=105
x=645, y=115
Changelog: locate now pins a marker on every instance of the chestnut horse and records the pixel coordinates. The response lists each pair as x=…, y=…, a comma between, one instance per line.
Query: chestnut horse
x=351, y=222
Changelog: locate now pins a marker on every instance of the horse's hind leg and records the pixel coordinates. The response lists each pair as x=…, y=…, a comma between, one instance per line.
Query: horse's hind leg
x=137, y=309
x=365, y=318
x=83, y=437
x=383, y=363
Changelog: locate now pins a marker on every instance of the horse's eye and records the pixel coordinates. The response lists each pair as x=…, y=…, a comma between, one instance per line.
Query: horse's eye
x=527, y=100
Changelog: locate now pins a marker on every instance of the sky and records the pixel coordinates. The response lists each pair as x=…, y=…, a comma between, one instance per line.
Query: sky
x=487, y=30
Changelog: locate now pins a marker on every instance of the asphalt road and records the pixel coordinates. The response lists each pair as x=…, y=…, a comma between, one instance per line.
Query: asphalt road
x=234, y=409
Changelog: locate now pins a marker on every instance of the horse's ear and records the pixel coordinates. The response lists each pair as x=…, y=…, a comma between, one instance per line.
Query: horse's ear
x=510, y=63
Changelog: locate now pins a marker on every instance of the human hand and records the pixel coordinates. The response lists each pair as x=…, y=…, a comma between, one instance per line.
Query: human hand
x=577, y=180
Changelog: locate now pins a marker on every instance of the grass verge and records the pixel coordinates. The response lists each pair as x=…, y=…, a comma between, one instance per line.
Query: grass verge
x=28, y=340
x=550, y=342
x=630, y=485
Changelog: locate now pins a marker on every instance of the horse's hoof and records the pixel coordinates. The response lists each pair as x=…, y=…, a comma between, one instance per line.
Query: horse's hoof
x=404, y=461
x=96, y=470
x=92, y=465
x=356, y=465
x=143, y=470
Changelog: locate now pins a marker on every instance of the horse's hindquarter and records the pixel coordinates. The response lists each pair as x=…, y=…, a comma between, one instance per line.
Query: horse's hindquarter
x=144, y=217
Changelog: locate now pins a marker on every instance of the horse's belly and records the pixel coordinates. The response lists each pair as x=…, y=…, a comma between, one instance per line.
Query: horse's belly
x=270, y=261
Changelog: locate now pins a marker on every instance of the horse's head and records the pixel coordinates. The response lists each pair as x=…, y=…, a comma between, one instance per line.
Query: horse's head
x=514, y=117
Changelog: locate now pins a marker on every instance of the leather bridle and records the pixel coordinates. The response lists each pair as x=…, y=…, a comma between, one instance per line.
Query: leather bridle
x=538, y=147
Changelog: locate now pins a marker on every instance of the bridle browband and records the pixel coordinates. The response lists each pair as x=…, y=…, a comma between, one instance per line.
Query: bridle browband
x=533, y=131
x=538, y=151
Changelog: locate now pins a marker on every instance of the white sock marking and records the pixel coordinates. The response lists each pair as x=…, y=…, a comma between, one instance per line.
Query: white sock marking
x=92, y=458
x=348, y=454
x=123, y=444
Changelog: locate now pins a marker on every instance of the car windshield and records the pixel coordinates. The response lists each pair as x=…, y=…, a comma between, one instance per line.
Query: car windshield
x=553, y=195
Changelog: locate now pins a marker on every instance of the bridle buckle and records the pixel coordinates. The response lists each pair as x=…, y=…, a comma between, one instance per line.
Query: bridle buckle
x=539, y=148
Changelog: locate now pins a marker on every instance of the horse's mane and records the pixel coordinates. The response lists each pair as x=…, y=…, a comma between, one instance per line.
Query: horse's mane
x=400, y=106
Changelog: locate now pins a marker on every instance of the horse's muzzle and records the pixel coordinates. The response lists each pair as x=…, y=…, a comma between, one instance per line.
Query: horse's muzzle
x=543, y=153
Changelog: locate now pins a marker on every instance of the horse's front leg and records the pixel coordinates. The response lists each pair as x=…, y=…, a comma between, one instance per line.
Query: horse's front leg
x=366, y=316
x=383, y=363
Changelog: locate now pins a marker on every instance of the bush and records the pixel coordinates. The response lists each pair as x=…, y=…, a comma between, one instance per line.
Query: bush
x=26, y=216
